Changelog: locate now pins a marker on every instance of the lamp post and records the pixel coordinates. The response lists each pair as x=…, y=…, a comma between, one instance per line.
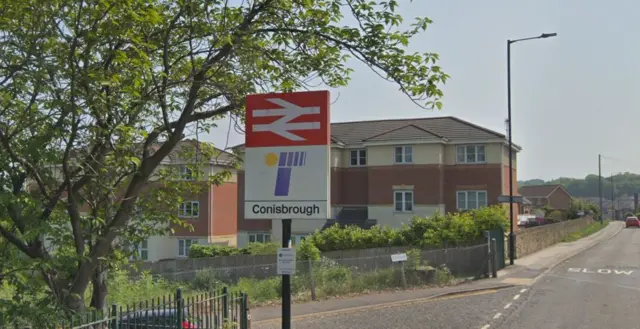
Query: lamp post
x=512, y=237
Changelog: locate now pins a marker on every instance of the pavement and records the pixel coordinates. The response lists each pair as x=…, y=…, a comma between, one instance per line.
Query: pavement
x=521, y=296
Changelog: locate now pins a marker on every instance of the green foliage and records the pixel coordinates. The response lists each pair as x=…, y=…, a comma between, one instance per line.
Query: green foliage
x=586, y=231
x=307, y=250
x=625, y=184
x=257, y=248
x=451, y=229
x=556, y=216
x=586, y=206
x=213, y=250
x=95, y=95
x=629, y=214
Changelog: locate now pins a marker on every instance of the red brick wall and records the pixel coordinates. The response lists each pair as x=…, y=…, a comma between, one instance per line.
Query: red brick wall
x=425, y=180
x=471, y=177
x=225, y=209
x=201, y=224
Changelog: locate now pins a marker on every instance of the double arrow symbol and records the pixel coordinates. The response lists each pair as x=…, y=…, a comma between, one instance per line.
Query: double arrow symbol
x=284, y=126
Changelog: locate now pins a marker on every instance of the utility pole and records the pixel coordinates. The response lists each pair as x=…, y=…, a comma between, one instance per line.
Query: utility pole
x=600, y=186
x=613, y=207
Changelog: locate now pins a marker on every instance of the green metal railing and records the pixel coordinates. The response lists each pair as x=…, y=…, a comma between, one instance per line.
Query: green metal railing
x=212, y=310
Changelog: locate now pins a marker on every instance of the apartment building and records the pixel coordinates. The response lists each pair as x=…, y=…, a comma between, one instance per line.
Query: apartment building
x=388, y=171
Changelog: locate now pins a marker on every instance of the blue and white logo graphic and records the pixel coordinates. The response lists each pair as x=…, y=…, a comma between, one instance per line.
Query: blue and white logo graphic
x=285, y=162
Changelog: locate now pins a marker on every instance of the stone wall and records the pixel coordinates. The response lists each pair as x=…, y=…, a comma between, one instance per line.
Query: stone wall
x=532, y=239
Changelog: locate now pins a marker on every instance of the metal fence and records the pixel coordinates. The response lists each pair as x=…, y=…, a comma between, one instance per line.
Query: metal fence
x=337, y=276
x=219, y=309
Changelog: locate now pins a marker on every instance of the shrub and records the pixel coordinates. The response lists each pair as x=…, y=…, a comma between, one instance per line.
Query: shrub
x=257, y=248
x=448, y=229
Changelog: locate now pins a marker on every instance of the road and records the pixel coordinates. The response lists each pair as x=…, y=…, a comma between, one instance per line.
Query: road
x=599, y=288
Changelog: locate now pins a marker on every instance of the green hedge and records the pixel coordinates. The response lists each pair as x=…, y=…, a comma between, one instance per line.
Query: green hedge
x=451, y=229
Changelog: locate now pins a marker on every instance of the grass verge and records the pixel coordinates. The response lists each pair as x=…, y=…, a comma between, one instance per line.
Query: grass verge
x=588, y=230
x=328, y=280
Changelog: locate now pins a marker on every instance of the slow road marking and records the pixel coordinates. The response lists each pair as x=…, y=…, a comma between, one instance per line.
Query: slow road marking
x=486, y=326
x=516, y=297
x=599, y=271
x=507, y=306
x=497, y=315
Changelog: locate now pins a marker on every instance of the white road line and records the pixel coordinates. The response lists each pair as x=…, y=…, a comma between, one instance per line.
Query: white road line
x=486, y=326
x=507, y=306
x=516, y=297
x=523, y=290
x=497, y=315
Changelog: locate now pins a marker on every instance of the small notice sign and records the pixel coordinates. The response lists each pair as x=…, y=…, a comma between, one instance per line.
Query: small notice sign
x=286, y=261
x=399, y=258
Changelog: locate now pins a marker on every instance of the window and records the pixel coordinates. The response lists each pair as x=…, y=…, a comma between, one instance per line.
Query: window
x=186, y=173
x=143, y=250
x=403, y=201
x=259, y=237
x=297, y=238
x=470, y=154
x=403, y=154
x=471, y=199
x=358, y=157
x=184, y=245
x=189, y=209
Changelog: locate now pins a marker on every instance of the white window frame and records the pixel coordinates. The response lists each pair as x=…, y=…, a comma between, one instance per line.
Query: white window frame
x=462, y=154
x=141, y=249
x=184, y=213
x=297, y=238
x=184, y=245
x=405, y=152
x=266, y=237
x=360, y=155
x=186, y=173
x=403, y=202
x=463, y=198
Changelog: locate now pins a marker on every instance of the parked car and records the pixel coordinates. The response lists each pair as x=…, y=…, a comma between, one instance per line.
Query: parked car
x=155, y=319
x=632, y=221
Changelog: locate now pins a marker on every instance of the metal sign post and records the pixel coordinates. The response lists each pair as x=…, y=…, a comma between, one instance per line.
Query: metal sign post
x=286, y=278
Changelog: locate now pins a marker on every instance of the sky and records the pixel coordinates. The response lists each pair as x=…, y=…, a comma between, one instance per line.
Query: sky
x=573, y=96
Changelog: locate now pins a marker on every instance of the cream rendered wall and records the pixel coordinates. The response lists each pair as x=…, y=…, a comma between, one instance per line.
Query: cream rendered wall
x=505, y=157
x=166, y=247
x=386, y=215
x=493, y=153
x=338, y=157
x=383, y=155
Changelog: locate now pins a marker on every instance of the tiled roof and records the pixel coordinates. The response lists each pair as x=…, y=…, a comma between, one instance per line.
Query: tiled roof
x=408, y=132
x=451, y=128
x=533, y=191
x=435, y=128
x=219, y=156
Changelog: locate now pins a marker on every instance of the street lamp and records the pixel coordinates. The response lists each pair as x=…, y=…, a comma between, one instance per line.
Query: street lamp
x=512, y=237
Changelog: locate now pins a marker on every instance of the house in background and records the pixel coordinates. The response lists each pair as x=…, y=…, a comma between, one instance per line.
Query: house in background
x=554, y=196
x=388, y=171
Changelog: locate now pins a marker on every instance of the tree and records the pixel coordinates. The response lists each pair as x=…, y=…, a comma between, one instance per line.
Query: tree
x=94, y=94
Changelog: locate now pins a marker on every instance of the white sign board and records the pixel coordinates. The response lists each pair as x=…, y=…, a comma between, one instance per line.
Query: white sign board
x=399, y=258
x=287, y=153
x=286, y=261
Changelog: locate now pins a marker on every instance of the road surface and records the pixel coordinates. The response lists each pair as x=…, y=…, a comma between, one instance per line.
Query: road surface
x=597, y=289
